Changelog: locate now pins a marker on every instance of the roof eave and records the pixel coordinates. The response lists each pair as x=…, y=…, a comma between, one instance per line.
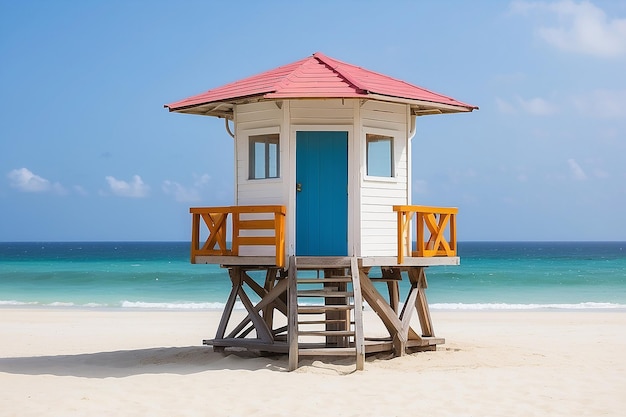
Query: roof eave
x=224, y=108
x=426, y=105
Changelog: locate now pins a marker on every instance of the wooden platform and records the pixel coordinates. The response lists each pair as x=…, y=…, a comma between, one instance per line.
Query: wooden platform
x=321, y=299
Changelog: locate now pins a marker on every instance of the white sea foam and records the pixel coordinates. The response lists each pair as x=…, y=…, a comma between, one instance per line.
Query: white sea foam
x=16, y=303
x=506, y=306
x=239, y=306
x=173, y=306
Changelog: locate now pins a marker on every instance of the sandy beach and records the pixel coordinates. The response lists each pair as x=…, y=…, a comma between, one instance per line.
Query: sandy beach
x=97, y=362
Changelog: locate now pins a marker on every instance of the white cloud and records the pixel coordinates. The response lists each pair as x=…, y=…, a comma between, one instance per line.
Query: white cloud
x=575, y=170
x=25, y=180
x=80, y=190
x=202, y=180
x=180, y=193
x=537, y=106
x=580, y=27
x=601, y=173
x=135, y=188
x=504, y=106
x=183, y=193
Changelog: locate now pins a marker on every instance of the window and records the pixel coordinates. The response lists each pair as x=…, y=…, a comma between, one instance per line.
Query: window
x=379, y=155
x=264, y=157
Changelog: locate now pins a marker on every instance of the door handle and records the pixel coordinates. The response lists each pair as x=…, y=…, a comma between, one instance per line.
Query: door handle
x=298, y=187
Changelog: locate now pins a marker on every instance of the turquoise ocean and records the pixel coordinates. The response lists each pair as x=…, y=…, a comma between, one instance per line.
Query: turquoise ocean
x=158, y=275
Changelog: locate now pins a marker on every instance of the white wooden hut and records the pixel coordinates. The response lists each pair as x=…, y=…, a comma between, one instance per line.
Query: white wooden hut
x=323, y=183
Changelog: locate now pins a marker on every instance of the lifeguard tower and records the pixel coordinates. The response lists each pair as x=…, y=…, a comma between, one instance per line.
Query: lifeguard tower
x=323, y=211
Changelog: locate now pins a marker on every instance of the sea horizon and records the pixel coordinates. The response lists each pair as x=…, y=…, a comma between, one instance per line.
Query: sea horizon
x=157, y=275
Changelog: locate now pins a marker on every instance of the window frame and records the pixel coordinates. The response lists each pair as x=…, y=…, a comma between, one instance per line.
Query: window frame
x=267, y=139
x=378, y=136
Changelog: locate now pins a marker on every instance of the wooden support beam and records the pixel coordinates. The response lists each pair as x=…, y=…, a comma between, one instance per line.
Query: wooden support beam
x=262, y=331
x=385, y=312
x=292, y=314
x=421, y=303
x=234, y=275
x=359, y=338
x=266, y=300
x=268, y=311
x=393, y=277
x=262, y=293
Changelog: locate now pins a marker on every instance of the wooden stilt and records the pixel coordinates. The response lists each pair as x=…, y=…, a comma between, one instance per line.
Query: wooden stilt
x=292, y=314
x=421, y=304
x=359, y=338
x=393, y=277
x=334, y=327
x=234, y=275
x=385, y=312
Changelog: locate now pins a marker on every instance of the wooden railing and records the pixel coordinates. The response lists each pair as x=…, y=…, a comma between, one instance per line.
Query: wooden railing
x=432, y=223
x=216, y=221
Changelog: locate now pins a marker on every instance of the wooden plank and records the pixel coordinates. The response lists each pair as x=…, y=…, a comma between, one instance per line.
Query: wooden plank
x=255, y=240
x=256, y=224
x=321, y=262
x=317, y=322
x=240, y=209
x=427, y=209
x=401, y=235
x=385, y=312
x=230, y=303
x=326, y=333
x=323, y=280
x=421, y=305
x=268, y=311
x=326, y=351
x=236, y=260
x=359, y=338
x=325, y=293
x=279, y=221
x=292, y=316
x=407, y=310
x=195, y=236
x=263, y=332
x=323, y=309
x=268, y=299
x=368, y=261
x=252, y=344
x=336, y=319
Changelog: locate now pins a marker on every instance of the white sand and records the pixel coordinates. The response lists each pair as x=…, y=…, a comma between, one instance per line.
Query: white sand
x=115, y=363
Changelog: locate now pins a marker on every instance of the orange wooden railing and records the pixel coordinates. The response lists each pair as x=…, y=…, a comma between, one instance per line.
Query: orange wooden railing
x=432, y=223
x=216, y=221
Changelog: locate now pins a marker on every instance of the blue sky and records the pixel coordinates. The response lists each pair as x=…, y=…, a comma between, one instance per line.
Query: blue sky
x=87, y=151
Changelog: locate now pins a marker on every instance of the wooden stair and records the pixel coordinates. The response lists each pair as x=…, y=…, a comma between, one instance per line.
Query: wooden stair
x=329, y=311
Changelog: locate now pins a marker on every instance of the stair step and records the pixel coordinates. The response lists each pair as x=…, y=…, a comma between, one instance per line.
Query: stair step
x=326, y=351
x=316, y=262
x=330, y=321
x=324, y=280
x=323, y=309
x=325, y=293
x=326, y=333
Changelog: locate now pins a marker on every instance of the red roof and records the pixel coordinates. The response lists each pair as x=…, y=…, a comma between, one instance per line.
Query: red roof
x=319, y=76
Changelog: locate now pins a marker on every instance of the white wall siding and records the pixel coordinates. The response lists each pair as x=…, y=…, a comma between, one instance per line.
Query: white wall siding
x=258, y=119
x=258, y=115
x=372, y=221
x=322, y=112
x=378, y=196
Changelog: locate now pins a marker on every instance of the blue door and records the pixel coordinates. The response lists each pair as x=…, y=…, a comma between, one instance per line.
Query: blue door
x=322, y=193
